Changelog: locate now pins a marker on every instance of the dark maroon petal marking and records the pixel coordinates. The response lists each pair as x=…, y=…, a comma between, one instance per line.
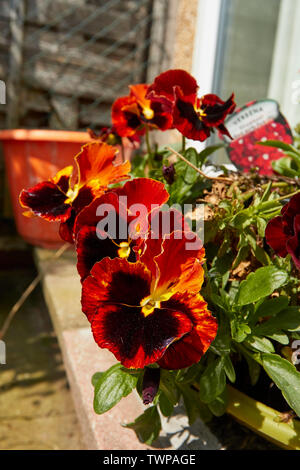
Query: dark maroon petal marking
x=83, y=199
x=66, y=228
x=134, y=339
x=91, y=249
x=293, y=244
x=47, y=201
x=63, y=183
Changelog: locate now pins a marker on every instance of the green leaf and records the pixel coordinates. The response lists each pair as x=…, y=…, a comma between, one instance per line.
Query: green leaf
x=113, y=384
x=168, y=386
x=218, y=406
x=189, y=375
x=281, y=338
x=295, y=157
x=261, y=283
x=222, y=342
x=239, y=330
x=147, y=426
x=212, y=381
x=242, y=219
x=190, y=174
x=285, y=376
x=96, y=377
x=166, y=407
x=270, y=307
x=288, y=319
x=280, y=145
x=254, y=369
x=261, y=226
x=195, y=408
x=204, y=154
x=260, y=344
x=283, y=167
x=241, y=255
x=229, y=369
x=260, y=255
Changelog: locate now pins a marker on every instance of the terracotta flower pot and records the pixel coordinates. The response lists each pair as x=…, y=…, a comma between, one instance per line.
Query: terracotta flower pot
x=32, y=156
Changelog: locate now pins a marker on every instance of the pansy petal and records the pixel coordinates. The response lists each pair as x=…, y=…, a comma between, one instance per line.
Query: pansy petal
x=276, y=237
x=88, y=215
x=186, y=119
x=47, y=201
x=215, y=110
x=135, y=340
x=115, y=281
x=83, y=199
x=145, y=191
x=177, y=267
x=66, y=229
x=292, y=208
x=163, y=87
x=179, y=264
x=139, y=92
x=91, y=249
x=96, y=168
x=62, y=178
x=190, y=348
x=293, y=243
x=125, y=117
x=162, y=224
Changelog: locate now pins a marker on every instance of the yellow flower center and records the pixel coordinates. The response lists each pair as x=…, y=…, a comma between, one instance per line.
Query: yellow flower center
x=124, y=250
x=148, y=113
x=200, y=112
x=71, y=195
x=150, y=303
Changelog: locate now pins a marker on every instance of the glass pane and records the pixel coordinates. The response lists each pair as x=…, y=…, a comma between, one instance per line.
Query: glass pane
x=245, y=49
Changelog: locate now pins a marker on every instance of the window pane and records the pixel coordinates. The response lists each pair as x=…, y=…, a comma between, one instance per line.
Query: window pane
x=245, y=49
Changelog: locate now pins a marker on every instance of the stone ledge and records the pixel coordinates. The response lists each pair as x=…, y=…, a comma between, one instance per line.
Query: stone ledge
x=82, y=357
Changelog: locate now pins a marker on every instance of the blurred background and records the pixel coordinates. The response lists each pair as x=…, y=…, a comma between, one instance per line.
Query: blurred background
x=62, y=64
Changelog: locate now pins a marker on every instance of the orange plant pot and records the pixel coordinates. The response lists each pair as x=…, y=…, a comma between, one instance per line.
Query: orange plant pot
x=32, y=156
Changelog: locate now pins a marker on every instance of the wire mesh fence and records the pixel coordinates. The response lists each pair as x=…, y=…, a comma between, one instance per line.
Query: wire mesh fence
x=65, y=61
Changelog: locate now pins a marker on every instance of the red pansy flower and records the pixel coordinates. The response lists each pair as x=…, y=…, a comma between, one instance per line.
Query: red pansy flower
x=283, y=232
x=132, y=114
x=61, y=199
x=194, y=117
x=150, y=311
x=123, y=213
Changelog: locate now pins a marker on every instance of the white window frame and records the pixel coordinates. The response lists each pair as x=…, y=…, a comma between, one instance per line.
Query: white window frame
x=205, y=49
x=284, y=83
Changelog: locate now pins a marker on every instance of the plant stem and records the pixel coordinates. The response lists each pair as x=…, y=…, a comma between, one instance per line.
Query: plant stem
x=183, y=144
x=149, y=150
x=287, y=196
x=214, y=178
x=148, y=141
